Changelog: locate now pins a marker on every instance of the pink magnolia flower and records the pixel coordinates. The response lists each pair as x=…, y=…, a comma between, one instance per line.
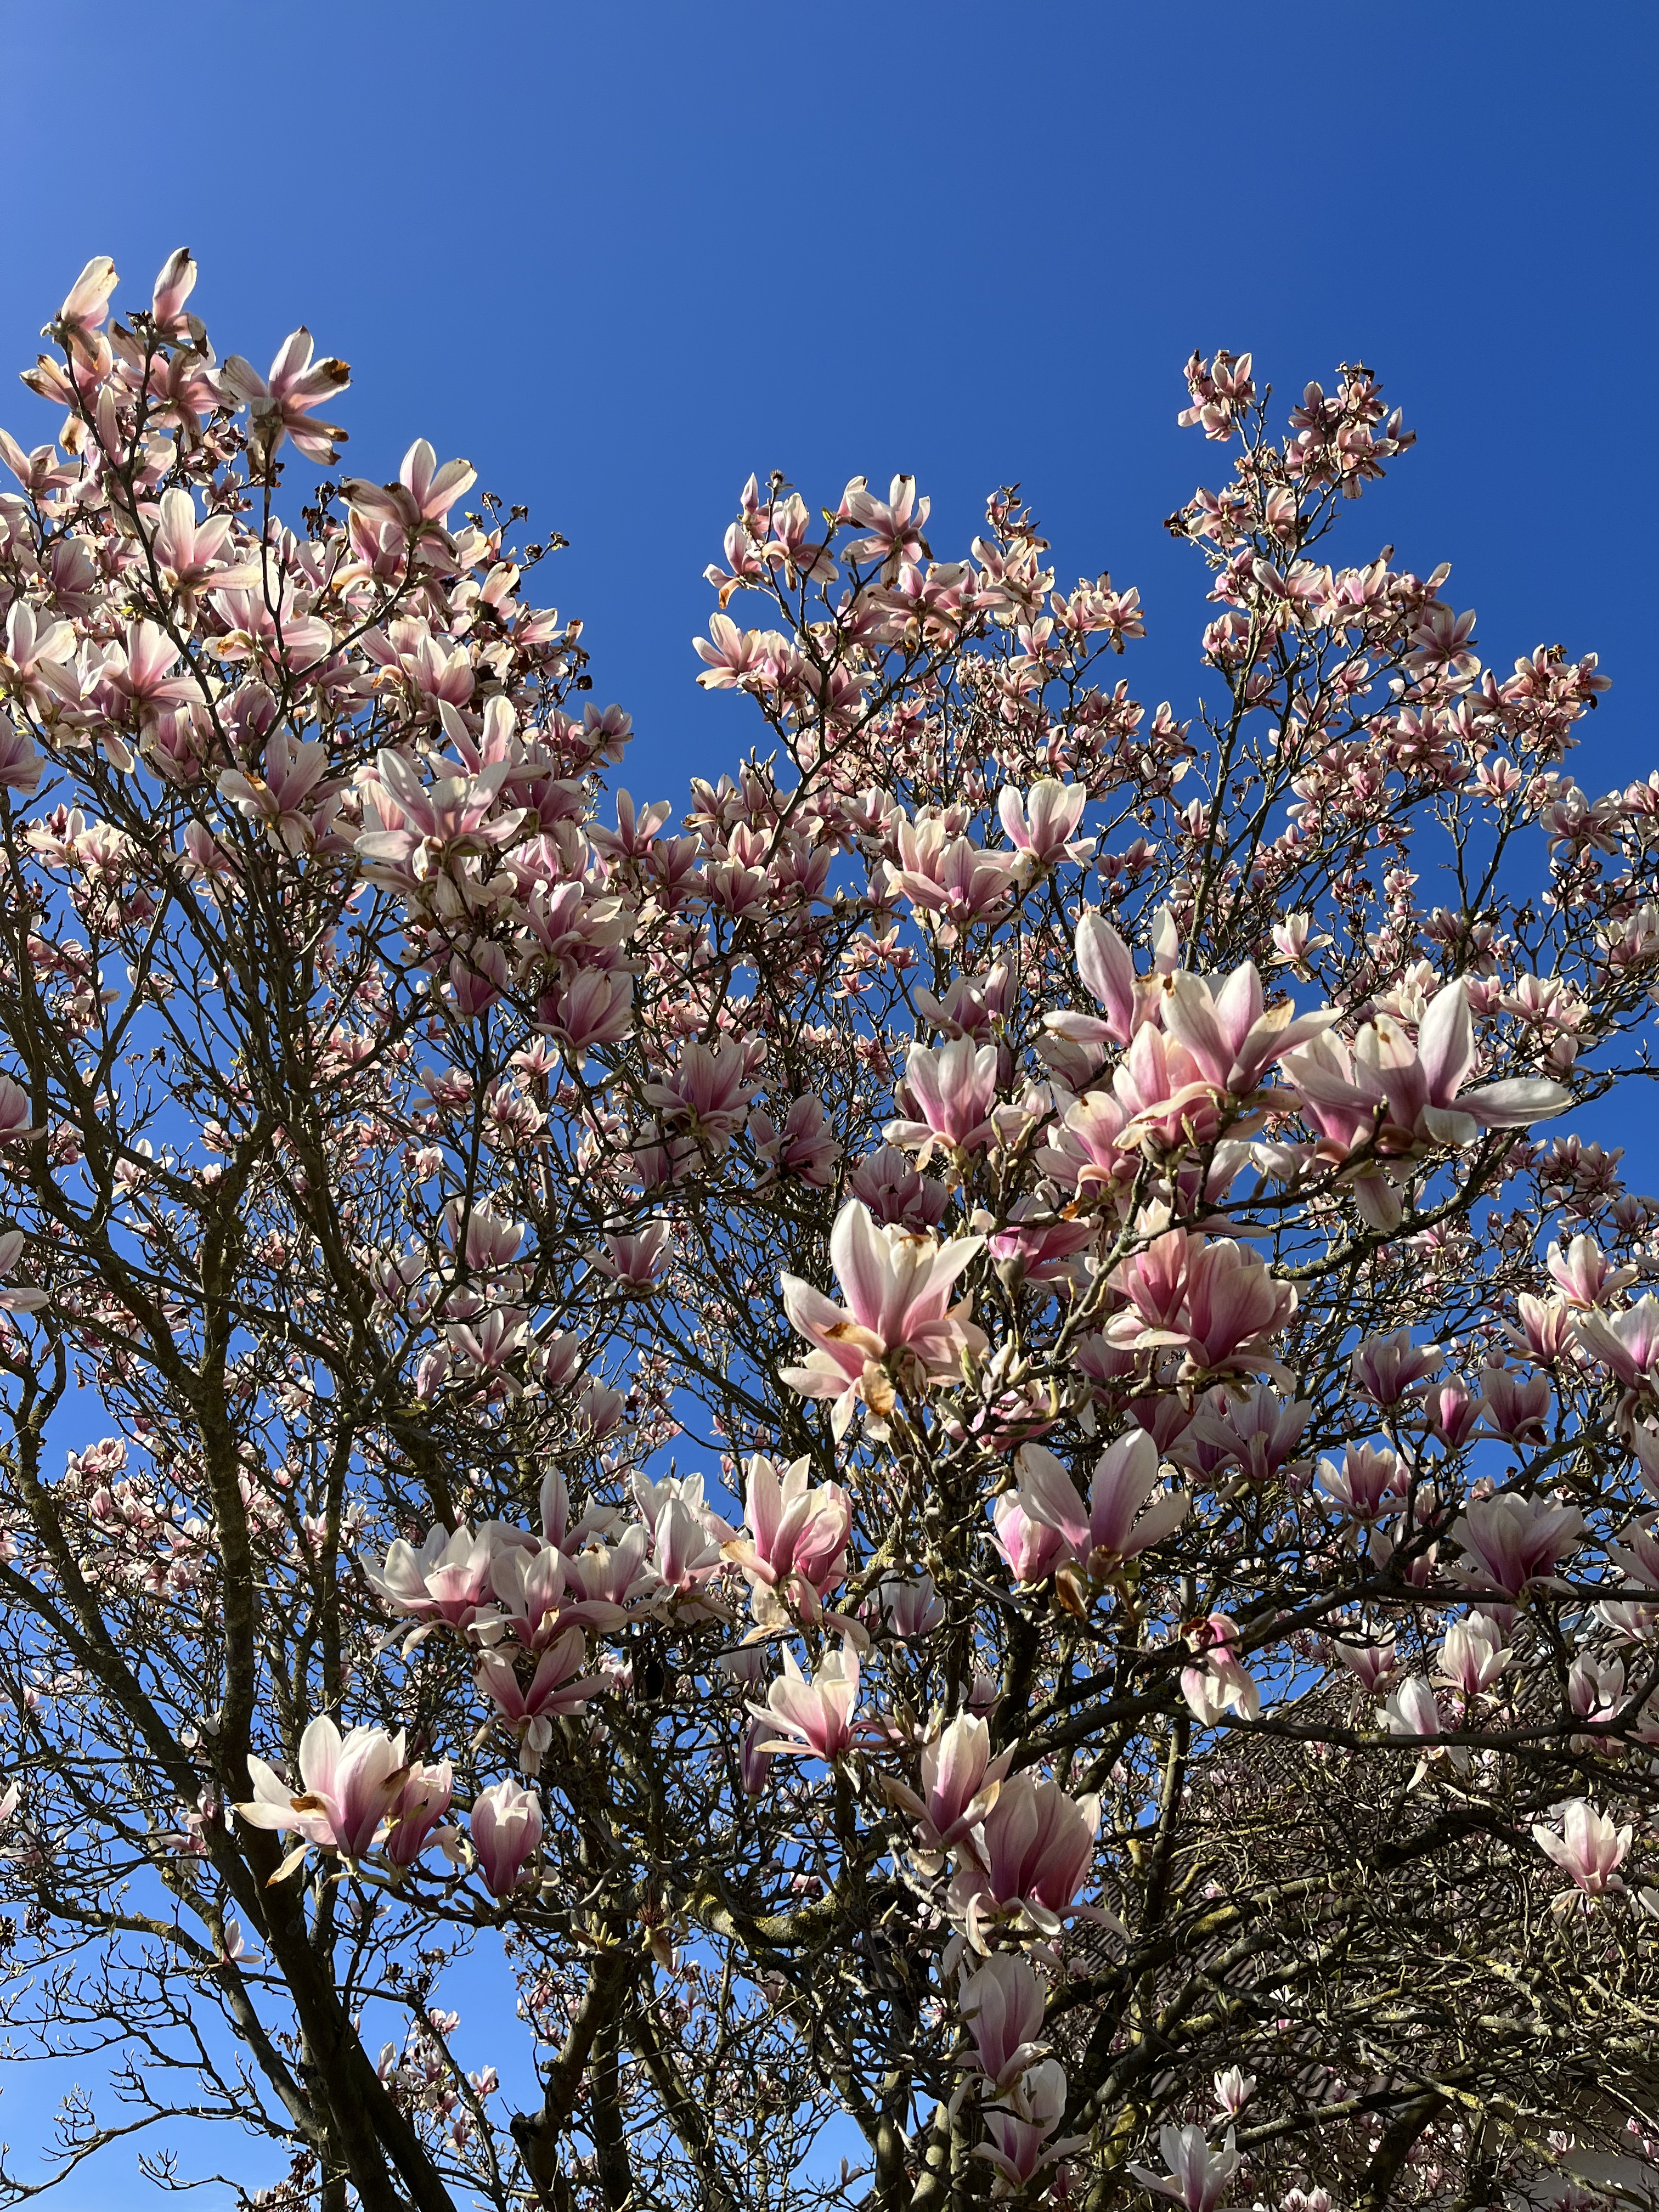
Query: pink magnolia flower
x=596, y=1006
x=529, y=1586
x=685, y=1548
x=1473, y=1655
x=141, y=672
x=1119, y=1521
x=417, y=1811
x=1029, y=1248
x=1517, y=1406
x=83, y=312
x=1627, y=1344
x=953, y=1087
x=893, y=526
x=1032, y=1549
x=1043, y=829
x=280, y=405
x=755, y=1755
x=612, y=1581
x=430, y=823
x=448, y=1582
x=1217, y=1682
x=293, y=800
x=1584, y=1274
x=189, y=553
x=39, y=661
x=553, y=1504
x=1412, y=1708
x=705, y=1093
x=1508, y=1541
x=1385, y=1367
x=1020, y=2125
x=1198, y=2176
x=1217, y=1301
x=960, y=1783
x=505, y=1826
x=14, y=1298
x=1034, y=1849
x=21, y=765
x=1596, y=1686
x=812, y=1719
x=1372, y=1662
x=1588, y=1848
x=1107, y=968
x=634, y=1262
x=347, y=1787
x=1366, y=1483
x=1636, y=1558
x=1227, y=1027
x=948, y=876
x=1258, y=1432
x=557, y=1687
x=734, y=657
x=795, y=1552
x=175, y=282
x=1398, y=1100
x=1003, y=2006
x=1092, y=1149
x=1170, y=1105
x=904, y=1606
x=418, y=504
x=804, y=1146
x=487, y=1345
x=1234, y=2088
x=897, y=1287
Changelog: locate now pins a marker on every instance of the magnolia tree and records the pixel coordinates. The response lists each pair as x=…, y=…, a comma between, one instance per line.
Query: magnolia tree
x=952, y=1451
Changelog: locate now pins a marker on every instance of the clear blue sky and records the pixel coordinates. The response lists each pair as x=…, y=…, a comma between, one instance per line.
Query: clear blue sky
x=620, y=255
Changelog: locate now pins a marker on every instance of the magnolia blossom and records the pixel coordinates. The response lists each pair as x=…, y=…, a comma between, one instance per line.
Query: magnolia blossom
x=557, y=1686
x=1122, y=1520
x=897, y=1320
x=1043, y=828
x=1473, y=1655
x=813, y=1719
x=1411, y=1708
x=1220, y=1304
x=448, y=1582
x=280, y=403
x=1022, y=2122
x=405, y=1126
x=347, y=1788
x=1230, y=1030
x=796, y=1551
x=416, y=1811
x=505, y=1827
x=960, y=1783
x=1234, y=2088
x=1588, y=1848
x=1217, y=1682
x=1002, y=2003
x=1625, y=1343
x=1198, y=2176
x=1371, y=1663
x=1367, y=1482
x=1032, y=1549
x=1031, y=1854
x=1509, y=1542
x=1391, y=1100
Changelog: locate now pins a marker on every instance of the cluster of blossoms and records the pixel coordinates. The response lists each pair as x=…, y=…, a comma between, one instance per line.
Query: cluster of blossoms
x=952, y=1441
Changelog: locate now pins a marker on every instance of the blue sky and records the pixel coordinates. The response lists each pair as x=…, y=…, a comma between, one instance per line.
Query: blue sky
x=621, y=255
